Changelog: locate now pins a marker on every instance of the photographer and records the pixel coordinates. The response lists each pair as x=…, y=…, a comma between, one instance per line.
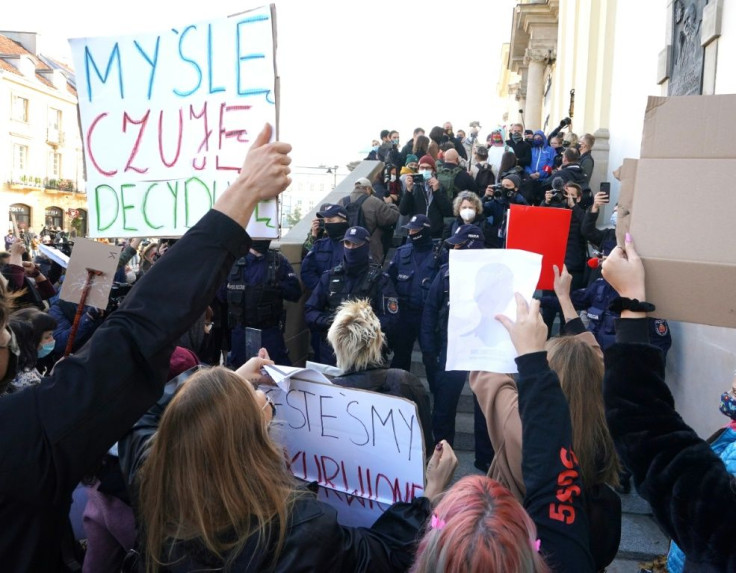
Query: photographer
x=425, y=196
x=496, y=203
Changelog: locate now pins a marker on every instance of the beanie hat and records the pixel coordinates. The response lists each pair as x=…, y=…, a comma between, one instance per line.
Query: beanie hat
x=410, y=159
x=429, y=160
x=514, y=179
x=181, y=360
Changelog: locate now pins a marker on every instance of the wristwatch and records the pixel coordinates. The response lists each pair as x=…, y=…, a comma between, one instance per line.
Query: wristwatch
x=623, y=303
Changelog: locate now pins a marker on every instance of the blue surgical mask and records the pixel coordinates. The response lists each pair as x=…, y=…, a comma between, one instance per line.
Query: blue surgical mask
x=374, y=148
x=427, y=173
x=395, y=141
x=614, y=218
x=46, y=349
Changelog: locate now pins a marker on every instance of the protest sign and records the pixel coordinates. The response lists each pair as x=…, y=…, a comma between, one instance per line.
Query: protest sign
x=55, y=255
x=90, y=255
x=542, y=230
x=167, y=119
x=364, y=449
x=482, y=285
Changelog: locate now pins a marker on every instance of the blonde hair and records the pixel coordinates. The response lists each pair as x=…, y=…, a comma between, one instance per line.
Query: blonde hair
x=467, y=196
x=355, y=336
x=214, y=474
x=580, y=371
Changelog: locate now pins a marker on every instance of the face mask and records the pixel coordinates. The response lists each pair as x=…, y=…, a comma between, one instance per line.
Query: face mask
x=728, y=405
x=392, y=178
x=538, y=143
x=426, y=173
x=207, y=328
x=516, y=137
x=46, y=349
x=421, y=238
x=614, y=218
x=336, y=230
x=467, y=214
x=261, y=247
x=357, y=257
x=395, y=141
x=374, y=148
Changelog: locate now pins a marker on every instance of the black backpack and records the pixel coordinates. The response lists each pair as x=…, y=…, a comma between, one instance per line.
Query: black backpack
x=354, y=209
x=484, y=177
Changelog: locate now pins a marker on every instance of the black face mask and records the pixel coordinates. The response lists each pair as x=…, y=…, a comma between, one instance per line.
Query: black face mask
x=336, y=230
x=261, y=247
x=421, y=239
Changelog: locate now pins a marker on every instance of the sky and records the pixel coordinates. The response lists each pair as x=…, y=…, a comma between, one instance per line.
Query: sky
x=348, y=69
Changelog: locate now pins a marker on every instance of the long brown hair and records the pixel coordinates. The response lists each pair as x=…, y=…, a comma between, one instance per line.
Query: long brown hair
x=580, y=371
x=213, y=473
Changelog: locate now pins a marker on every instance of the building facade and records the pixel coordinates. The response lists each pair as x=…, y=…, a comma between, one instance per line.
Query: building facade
x=42, y=169
x=597, y=61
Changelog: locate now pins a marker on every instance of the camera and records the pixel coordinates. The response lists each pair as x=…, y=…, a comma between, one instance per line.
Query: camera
x=118, y=292
x=321, y=224
x=558, y=195
x=499, y=192
x=418, y=178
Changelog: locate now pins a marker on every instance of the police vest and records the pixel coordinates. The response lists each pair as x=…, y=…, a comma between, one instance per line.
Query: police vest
x=412, y=280
x=339, y=291
x=257, y=306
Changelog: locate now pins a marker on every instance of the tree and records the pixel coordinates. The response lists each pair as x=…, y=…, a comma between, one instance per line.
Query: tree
x=294, y=217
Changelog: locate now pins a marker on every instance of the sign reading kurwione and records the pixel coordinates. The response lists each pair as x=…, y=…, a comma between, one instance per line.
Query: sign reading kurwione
x=167, y=119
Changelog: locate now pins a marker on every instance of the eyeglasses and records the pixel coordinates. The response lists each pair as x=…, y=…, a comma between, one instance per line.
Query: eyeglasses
x=269, y=401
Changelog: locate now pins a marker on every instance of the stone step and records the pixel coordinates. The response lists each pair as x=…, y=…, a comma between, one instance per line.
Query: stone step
x=641, y=538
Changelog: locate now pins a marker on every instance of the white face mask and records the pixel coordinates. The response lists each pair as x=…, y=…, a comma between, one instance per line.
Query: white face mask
x=467, y=214
x=393, y=178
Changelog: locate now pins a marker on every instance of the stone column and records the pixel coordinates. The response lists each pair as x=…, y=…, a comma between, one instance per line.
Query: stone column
x=537, y=59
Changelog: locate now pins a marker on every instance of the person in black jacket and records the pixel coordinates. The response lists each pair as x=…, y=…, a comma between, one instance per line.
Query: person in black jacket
x=215, y=491
x=687, y=485
x=55, y=431
x=520, y=147
x=426, y=198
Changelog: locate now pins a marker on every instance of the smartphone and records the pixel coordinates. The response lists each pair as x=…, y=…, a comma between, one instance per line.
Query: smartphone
x=252, y=342
x=606, y=188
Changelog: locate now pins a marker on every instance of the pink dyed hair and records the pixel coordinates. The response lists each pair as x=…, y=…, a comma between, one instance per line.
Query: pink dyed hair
x=482, y=529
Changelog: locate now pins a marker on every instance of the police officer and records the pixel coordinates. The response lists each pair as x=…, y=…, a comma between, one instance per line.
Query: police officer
x=325, y=253
x=356, y=277
x=412, y=271
x=257, y=286
x=447, y=385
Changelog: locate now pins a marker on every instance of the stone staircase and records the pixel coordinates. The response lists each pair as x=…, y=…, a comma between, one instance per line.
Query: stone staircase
x=641, y=538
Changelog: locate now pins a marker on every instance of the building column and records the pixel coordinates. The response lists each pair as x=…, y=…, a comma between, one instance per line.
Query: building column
x=537, y=60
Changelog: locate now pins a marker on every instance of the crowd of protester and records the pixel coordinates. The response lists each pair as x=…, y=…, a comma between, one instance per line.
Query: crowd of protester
x=184, y=476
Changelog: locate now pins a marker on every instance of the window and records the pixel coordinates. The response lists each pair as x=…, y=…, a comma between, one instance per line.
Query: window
x=54, y=217
x=20, y=108
x=21, y=214
x=54, y=119
x=20, y=157
x=55, y=164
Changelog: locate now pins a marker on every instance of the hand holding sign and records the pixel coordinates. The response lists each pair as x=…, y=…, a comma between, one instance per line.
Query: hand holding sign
x=528, y=333
x=624, y=271
x=264, y=175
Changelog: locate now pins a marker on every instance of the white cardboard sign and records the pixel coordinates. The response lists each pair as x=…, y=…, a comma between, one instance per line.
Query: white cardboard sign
x=482, y=285
x=167, y=119
x=364, y=449
x=90, y=255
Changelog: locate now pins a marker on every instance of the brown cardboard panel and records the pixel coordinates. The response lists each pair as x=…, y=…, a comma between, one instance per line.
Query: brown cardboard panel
x=689, y=127
x=684, y=209
x=692, y=292
x=627, y=175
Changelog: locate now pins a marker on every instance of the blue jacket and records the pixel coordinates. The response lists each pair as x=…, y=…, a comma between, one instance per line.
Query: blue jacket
x=319, y=312
x=255, y=272
x=324, y=255
x=541, y=157
x=433, y=332
x=412, y=271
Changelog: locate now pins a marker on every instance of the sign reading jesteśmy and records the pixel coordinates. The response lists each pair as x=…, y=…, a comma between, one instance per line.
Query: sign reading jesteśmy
x=167, y=119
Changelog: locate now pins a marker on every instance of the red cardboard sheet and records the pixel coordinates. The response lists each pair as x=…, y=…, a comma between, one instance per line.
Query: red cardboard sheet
x=540, y=230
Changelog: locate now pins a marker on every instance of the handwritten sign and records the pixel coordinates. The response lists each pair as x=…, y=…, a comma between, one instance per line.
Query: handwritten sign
x=482, y=285
x=90, y=255
x=364, y=449
x=167, y=119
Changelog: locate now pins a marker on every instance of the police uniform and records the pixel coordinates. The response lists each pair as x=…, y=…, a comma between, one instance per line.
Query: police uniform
x=256, y=289
x=351, y=280
x=447, y=385
x=412, y=271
